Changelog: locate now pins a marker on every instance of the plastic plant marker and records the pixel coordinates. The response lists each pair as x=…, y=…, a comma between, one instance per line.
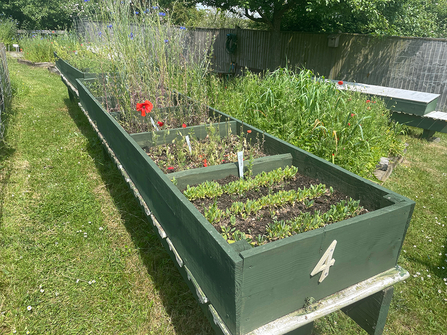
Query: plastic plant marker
x=240, y=161
x=153, y=123
x=189, y=143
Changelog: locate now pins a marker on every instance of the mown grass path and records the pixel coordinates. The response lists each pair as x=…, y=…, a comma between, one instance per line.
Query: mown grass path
x=77, y=255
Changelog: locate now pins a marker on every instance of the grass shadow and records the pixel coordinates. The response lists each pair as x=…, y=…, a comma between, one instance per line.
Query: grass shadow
x=185, y=313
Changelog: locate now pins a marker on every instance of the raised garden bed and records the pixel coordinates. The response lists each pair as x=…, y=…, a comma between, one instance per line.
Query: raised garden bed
x=242, y=287
x=198, y=146
x=71, y=73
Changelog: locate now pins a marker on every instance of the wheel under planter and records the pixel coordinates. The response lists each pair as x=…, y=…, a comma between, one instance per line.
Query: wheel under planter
x=282, y=285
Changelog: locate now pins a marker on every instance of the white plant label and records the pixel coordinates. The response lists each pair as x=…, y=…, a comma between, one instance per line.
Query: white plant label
x=153, y=123
x=240, y=161
x=325, y=263
x=189, y=143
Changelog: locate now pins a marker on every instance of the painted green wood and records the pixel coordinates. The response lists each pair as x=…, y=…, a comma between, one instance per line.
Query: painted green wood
x=371, y=312
x=258, y=285
x=214, y=264
x=200, y=175
x=72, y=73
x=366, y=245
x=144, y=140
x=425, y=122
x=406, y=101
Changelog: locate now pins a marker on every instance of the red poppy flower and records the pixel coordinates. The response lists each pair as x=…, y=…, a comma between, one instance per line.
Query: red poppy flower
x=368, y=101
x=145, y=107
x=349, y=124
x=183, y=125
x=160, y=124
x=204, y=163
x=333, y=154
x=249, y=131
x=340, y=82
x=352, y=114
x=170, y=168
x=374, y=102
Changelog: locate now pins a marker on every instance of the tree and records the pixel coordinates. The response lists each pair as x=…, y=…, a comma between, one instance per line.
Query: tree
x=423, y=18
x=380, y=17
x=267, y=13
x=37, y=14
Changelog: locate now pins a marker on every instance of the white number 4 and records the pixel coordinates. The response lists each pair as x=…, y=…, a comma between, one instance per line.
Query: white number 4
x=325, y=262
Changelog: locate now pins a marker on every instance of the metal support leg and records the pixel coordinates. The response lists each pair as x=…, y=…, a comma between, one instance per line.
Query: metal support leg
x=370, y=313
x=427, y=134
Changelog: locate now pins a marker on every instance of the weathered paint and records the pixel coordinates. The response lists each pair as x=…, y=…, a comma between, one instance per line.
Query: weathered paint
x=333, y=303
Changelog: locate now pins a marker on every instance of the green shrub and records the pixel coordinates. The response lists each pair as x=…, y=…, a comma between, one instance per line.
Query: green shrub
x=340, y=126
x=8, y=30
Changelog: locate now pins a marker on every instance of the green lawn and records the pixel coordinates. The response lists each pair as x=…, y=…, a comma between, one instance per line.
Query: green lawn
x=78, y=256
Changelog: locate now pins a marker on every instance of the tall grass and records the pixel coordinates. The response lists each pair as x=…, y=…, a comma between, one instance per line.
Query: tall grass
x=148, y=56
x=343, y=127
x=38, y=48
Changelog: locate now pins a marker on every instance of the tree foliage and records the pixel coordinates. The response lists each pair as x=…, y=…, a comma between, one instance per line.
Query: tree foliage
x=37, y=14
x=423, y=18
x=381, y=17
x=267, y=13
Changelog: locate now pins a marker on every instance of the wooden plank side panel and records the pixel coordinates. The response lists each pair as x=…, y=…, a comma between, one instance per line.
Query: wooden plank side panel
x=144, y=140
x=70, y=72
x=200, y=175
x=214, y=264
x=277, y=278
x=421, y=122
x=371, y=312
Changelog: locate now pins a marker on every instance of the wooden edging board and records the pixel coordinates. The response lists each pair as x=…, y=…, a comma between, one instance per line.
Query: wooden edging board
x=145, y=140
x=249, y=288
x=406, y=101
x=200, y=175
x=71, y=73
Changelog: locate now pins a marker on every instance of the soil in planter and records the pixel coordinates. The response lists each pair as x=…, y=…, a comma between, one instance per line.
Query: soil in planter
x=212, y=150
x=255, y=226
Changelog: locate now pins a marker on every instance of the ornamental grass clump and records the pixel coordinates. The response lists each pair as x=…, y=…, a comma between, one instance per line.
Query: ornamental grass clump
x=149, y=58
x=343, y=127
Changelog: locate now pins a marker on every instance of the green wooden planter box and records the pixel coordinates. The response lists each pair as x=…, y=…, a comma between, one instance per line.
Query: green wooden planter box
x=71, y=73
x=244, y=288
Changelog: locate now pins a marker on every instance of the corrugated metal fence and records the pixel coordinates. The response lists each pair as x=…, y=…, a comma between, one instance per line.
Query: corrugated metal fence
x=418, y=64
x=5, y=87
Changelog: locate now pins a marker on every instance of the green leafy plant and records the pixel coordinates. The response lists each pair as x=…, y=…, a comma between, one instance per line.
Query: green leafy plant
x=340, y=126
x=8, y=31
